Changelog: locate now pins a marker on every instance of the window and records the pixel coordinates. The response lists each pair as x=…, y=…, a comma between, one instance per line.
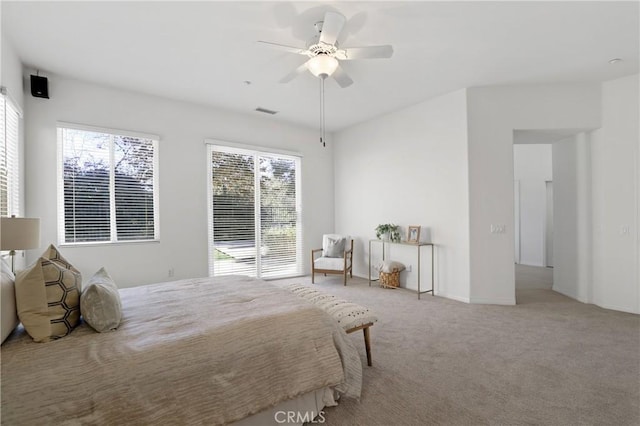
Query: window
x=107, y=185
x=9, y=169
x=254, y=213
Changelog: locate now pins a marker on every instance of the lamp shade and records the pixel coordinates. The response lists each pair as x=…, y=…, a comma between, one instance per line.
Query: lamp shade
x=19, y=233
x=322, y=65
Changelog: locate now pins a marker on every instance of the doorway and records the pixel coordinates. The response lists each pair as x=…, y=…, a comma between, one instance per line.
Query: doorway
x=559, y=240
x=533, y=204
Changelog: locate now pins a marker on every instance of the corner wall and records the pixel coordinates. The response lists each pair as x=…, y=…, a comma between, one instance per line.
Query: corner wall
x=12, y=72
x=616, y=238
x=493, y=114
x=573, y=223
x=182, y=128
x=409, y=168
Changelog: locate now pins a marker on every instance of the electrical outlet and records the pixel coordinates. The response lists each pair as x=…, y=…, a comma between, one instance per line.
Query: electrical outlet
x=408, y=268
x=624, y=230
x=498, y=229
x=171, y=272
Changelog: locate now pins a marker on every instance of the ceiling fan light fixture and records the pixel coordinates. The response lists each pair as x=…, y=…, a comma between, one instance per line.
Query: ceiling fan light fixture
x=322, y=65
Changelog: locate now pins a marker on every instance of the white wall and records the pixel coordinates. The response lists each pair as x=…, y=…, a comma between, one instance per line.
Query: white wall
x=11, y=78
x=572, y=245
x=182, y=128
x=614, y=156
x=12, y=72
x=532, y=168
x=493, y=114
x=409, y=168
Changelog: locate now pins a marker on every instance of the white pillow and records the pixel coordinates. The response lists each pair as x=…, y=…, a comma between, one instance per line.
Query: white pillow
x=8, y=316
x=100, y=302
x=333, y=245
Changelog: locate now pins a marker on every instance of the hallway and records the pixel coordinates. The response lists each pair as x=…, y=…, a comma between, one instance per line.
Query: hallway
x=533, y=285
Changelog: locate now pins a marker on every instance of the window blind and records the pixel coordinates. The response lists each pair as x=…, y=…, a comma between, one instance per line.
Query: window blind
x=107, y=186
x=254, y=217
x=9, y=167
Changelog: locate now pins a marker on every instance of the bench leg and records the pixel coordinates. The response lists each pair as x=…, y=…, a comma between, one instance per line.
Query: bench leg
x=367, y=345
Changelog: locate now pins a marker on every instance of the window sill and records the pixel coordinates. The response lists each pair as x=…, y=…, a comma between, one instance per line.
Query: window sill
x=108, y=243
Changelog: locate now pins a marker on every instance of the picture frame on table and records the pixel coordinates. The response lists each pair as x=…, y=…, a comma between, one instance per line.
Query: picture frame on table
x=413, y=234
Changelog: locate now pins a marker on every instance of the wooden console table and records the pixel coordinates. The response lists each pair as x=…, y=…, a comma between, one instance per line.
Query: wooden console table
x=418, y=247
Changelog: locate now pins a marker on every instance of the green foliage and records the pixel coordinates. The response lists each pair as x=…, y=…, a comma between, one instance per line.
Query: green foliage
x=232, y=175
x=234, y=187
x=87, y=185
x=280, y=240
x=388, y=228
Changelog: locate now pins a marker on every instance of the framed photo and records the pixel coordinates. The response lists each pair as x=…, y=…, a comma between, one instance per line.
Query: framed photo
x=413, y=235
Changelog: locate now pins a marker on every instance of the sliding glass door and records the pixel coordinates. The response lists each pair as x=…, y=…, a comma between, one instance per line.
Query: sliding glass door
x=254, y=213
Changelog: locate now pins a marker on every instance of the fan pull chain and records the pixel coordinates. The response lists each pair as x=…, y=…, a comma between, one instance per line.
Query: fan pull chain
x=322, y=136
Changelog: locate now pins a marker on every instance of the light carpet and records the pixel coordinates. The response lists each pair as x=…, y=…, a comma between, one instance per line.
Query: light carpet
x=549, y=360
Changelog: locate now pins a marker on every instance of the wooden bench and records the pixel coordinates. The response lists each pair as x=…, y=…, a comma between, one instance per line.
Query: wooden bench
x=350, y=316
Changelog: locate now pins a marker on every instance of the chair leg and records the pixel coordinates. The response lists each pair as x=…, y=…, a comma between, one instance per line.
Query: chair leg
x=313, y=276
x=345, y=277
x=367, y=345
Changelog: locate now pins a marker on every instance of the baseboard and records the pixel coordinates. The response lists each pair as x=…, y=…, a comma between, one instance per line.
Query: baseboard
x=617, y=308
x=601, y=305
x=454, y=297
x=491, y=301
x=460, y=298
x=572, y=296
x=531, y=264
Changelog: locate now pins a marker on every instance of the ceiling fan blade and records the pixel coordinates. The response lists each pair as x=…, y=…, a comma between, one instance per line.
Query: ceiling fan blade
x=331, y=27
x=369, y=52
x=293, y=74
x=342, y=77
x=286, y=48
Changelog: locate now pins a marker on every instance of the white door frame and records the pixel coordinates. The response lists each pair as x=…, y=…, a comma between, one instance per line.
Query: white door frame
x=547, y=233
x=516, y=226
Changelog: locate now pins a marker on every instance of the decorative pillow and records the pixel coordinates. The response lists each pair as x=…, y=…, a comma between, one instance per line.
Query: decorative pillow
x=100, y=302
x=8, y=316
x=389, y=266
x=48, y=297
x=333, y=246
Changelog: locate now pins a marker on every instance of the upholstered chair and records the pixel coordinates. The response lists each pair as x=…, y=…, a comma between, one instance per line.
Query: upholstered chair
x=336, y=257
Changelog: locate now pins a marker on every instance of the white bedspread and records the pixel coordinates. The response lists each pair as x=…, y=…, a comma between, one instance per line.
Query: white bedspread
x=202, y=351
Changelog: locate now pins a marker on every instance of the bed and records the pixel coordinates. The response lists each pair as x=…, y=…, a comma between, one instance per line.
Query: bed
x=200, y=351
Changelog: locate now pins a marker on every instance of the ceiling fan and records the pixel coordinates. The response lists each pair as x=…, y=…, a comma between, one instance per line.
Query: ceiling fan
x=324, y=53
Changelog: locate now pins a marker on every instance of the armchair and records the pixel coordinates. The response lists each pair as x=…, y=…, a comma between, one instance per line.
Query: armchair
x=336, y=257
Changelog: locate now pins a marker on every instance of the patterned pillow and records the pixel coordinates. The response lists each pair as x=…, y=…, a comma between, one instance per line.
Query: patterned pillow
x=100, y=302
x=48, y=297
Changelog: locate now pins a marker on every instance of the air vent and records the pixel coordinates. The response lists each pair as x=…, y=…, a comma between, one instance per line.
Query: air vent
x=266, y=111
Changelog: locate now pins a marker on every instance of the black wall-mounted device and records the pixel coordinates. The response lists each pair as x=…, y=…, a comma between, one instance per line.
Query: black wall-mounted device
x=39, y=87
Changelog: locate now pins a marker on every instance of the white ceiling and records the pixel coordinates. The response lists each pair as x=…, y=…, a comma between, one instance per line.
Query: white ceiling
x=204, y=51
